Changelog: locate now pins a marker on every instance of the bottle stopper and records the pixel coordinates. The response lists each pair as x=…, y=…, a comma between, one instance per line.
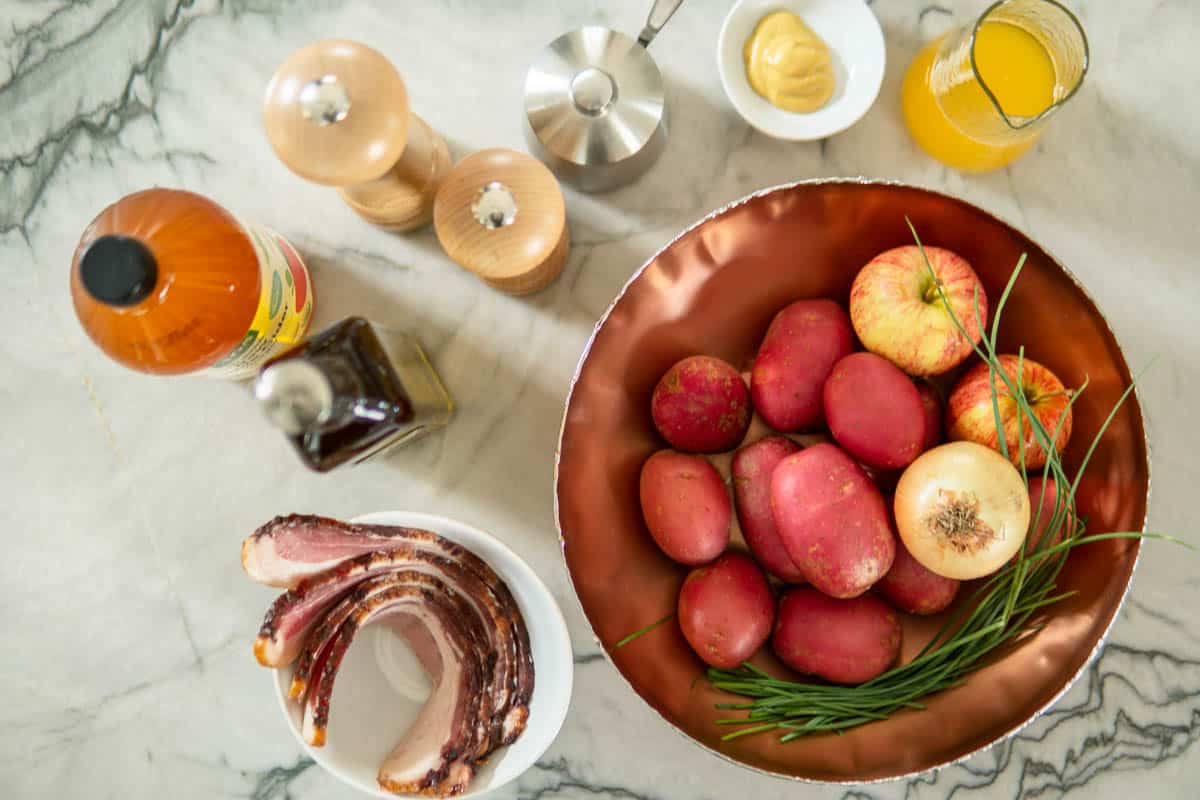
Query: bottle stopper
x=336, y=113
x=295, y=395
x=500, y=214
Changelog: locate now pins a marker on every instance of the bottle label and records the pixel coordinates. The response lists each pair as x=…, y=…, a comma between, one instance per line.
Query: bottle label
x=285, y=306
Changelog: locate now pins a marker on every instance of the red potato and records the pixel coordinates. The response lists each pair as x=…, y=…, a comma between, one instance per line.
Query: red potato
x=726, y=610
x=702, y=405
x=885, y=479
x=832, y=520
x=931, y=401
x=844, y=641
x=686, y=506
x=911, y=587
x=1042, y=497
x=802, y=344
x=752, y=468
x=874, y=411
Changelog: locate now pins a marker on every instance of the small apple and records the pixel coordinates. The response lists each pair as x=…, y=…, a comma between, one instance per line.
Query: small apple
x=970, y=417
x=898, y=312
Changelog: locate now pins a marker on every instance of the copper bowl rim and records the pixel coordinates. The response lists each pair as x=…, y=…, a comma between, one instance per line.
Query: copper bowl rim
x=587, y=349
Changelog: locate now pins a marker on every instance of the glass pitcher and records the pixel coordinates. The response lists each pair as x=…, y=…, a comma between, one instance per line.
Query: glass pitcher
x=979, y=97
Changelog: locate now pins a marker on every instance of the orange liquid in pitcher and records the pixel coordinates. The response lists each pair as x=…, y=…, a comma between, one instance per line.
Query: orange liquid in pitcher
x=1020, y=73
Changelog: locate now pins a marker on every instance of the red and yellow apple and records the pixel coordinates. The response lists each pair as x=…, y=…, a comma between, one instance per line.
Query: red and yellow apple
x=970, y=417
x=898, y=312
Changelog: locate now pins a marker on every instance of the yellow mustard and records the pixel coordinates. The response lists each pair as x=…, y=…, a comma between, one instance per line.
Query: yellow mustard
x=788, y=64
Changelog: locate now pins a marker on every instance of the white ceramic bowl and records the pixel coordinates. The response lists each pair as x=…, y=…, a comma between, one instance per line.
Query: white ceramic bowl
x=381, y=687
x=853, y=35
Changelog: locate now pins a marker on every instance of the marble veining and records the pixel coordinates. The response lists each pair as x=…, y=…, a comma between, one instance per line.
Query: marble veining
x=125, y=667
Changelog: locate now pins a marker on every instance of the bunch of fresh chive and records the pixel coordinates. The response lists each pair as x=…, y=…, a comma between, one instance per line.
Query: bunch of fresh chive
x=1002, y=609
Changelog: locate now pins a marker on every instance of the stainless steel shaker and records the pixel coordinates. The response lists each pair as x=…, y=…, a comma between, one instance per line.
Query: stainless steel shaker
x=595, y=108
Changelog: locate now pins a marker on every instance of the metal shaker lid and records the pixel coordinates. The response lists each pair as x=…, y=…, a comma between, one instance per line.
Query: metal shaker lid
x=594, y=97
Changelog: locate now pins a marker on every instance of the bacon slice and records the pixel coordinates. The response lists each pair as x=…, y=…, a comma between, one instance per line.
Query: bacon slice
x=289, y=549
x=316, y=661
x=437, y=753
x=455, y=612
x=291, y=616
x=294, y=614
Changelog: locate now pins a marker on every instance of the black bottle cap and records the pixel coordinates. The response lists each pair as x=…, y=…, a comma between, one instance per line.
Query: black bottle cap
x=118, y=270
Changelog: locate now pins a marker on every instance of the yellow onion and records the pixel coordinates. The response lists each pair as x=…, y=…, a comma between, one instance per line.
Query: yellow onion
x=962, y=510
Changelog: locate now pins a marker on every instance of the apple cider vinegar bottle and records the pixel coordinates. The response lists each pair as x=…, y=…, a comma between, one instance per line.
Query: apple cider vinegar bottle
x=168, y=282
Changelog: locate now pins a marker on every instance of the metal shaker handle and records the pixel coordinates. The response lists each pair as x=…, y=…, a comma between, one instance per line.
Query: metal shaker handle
x=660, y=13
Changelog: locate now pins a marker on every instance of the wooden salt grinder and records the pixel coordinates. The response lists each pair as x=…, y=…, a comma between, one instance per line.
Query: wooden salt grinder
x=501, y=215
x=336, y=113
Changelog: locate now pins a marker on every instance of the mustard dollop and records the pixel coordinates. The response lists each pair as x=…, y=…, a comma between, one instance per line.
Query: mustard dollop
x=788, y=64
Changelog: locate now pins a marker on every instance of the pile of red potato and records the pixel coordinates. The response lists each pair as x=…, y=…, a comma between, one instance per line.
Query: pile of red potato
x=852, y=459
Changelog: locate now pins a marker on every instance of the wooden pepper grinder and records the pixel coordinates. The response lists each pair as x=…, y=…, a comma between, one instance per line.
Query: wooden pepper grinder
x=336, y=113
x=501, y=215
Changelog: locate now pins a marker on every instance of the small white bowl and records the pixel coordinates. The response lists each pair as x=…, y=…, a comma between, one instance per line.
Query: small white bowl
x=855, y=39
x=380, y=686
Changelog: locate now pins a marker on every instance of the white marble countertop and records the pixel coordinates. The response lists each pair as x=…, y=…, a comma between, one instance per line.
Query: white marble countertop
x=125, y=665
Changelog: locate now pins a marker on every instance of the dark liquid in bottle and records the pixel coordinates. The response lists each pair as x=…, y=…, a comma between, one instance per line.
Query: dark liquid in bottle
x=359, y=355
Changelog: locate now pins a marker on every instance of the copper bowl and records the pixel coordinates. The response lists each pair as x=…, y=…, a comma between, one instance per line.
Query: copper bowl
x=713, y=290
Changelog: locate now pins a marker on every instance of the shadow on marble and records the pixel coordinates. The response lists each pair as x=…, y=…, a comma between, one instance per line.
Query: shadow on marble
x=694, y=160
x=497, y=455
x=657, y=195
x=513, y=401
x=507, y=362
